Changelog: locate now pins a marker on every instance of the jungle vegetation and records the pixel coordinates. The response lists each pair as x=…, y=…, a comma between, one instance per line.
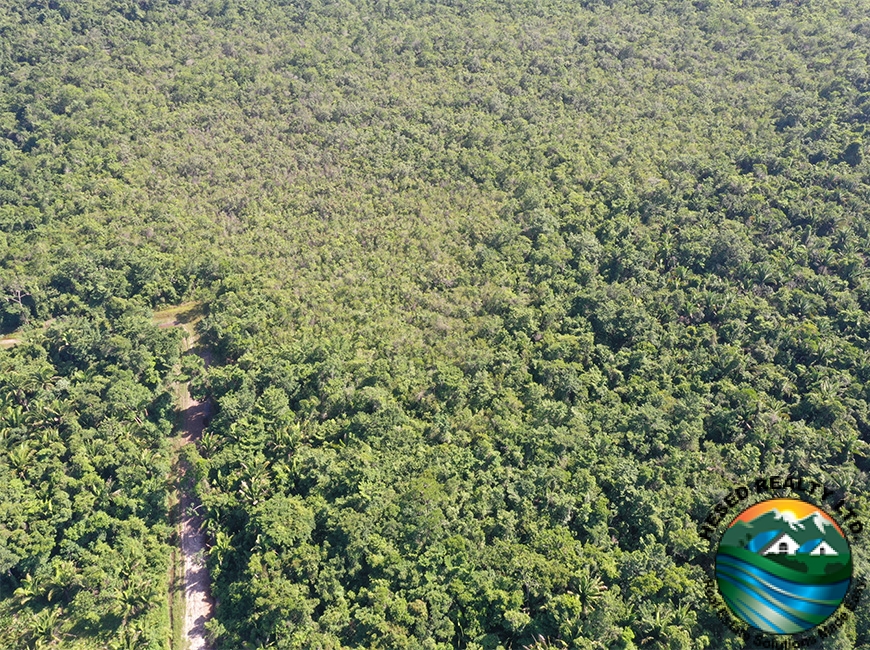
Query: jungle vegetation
x=503, y=297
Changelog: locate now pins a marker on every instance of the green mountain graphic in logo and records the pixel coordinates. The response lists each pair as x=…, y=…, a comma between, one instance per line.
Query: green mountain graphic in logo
x=782, y=573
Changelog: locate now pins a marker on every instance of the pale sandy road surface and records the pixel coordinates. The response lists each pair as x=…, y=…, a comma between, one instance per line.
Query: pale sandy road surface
x=199, y=606
x=198, y=602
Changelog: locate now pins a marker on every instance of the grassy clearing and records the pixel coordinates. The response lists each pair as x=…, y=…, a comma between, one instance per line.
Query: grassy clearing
x=13, y=339
x=185, y=315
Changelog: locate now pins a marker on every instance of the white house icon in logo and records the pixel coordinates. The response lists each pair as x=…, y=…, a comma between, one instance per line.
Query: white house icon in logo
x=783, y=544
x=823, y=549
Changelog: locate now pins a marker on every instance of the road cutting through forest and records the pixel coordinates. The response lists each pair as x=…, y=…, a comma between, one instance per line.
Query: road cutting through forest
x=198, y=603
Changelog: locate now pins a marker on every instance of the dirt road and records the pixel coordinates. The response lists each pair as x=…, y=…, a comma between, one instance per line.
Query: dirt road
x=198, y=603
x=199, y=606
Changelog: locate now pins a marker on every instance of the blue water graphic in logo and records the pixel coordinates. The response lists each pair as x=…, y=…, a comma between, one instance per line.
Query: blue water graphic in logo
x=783, y=566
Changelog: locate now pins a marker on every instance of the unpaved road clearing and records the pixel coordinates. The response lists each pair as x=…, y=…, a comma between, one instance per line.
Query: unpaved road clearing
x=198, y=603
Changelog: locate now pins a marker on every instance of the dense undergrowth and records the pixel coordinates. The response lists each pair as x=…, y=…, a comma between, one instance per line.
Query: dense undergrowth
x=504, y=296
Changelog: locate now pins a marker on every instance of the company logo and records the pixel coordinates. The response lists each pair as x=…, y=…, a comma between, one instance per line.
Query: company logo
x=782, y=574
x=783, y=566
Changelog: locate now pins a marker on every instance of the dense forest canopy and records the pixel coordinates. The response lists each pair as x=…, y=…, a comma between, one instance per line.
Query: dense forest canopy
x=503, y=297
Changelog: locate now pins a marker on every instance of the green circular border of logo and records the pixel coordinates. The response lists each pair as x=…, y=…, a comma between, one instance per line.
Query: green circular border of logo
x=767, y=587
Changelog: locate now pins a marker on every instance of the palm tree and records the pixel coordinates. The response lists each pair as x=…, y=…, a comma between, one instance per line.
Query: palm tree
x=128, y=639
x=655, y=622
x=12, y=415
x=45, y=625
x=64, y=577
x=542, y=643
x=223, y=544
x=19, y=458
x=590, y=589
x=284, y=439
x=28, y=590
x=208, y=443
x=132, y=596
